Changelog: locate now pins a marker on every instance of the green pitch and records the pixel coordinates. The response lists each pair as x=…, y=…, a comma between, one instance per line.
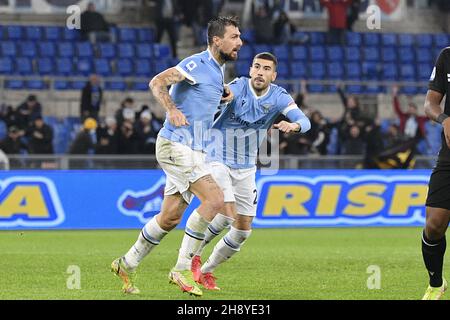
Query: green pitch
x=292, y=264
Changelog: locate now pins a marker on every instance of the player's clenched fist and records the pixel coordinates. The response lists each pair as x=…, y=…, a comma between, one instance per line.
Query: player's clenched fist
x=177, y=118
x=287, y=127
x=227, y=95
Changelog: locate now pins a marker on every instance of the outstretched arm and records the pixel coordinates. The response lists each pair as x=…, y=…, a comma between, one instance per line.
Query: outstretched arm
x=299, y=121
x=158, y=86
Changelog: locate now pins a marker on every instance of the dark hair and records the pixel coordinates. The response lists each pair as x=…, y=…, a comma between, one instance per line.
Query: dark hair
x=267, y=56
x=216, y=27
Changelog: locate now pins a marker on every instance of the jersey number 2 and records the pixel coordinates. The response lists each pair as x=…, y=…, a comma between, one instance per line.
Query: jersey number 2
x=256, y=196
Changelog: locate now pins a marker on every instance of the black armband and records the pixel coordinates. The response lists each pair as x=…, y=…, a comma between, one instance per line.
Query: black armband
x=441, y=118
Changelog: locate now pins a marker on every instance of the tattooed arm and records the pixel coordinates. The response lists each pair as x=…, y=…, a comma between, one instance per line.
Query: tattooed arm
x=158, y=86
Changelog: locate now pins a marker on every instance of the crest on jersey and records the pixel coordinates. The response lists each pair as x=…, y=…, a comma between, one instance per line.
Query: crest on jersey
x=266, y=108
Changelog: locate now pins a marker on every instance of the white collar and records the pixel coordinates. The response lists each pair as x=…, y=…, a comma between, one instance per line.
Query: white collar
x=254, y=93
x=211, y=57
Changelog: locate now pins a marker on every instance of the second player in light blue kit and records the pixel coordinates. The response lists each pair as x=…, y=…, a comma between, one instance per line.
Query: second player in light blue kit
x=232, y=155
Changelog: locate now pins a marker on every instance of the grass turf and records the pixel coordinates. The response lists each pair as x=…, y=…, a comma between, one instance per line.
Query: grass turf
x=291, y=264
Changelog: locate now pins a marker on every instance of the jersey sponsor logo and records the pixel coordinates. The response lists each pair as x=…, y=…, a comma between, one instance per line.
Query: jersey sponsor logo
x=29, y=202
x=341, y=200
x=191, y=65
x=142, y=204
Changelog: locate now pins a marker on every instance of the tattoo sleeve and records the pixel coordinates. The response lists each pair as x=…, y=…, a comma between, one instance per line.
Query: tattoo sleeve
x=159, y=87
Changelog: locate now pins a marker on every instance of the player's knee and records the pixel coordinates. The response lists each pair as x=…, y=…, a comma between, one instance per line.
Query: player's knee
x=434, y=230
x=215, y=202
x=169, y=222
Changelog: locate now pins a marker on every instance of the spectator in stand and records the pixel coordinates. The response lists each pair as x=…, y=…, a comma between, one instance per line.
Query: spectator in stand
x=40, y=137
x=353, y=142
x=353, y=14
x=27, y=112
x=107, y=137
x=146, y=133
x=84, y=143
x=128, y=138
x=262, y=24
x=319, y=134
x=283, y=28
x=94, y=26
x=412, y=126
x=127, y=104
x=8, y=115
x=91, y=98
x=337, y=19
x=13, y=144
x=167, y=18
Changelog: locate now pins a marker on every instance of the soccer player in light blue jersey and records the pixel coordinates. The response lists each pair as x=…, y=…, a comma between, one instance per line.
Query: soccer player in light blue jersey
x=197, y=90
x=232, y=154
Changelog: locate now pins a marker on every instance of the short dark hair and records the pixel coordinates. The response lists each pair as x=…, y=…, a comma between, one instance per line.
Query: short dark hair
x=216, y=27
x=267, y=56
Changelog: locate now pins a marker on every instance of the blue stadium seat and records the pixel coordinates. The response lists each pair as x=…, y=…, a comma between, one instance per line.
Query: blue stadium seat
x=335, y=70
x=353, y=39
x=140, y=86
x=161, y=65
x=144, y=50
x=373, y=89
x=433, y=136
x=24, y=66
x=248, y=35
x=14, y=32
x=116, y=85
x=102, y=67
x=126, y=50
x=127, y=34
x=354, y=89
x=389, y=71
x=389, y=39
x=28, y=49
x=242, y=68
x=281, y=52
x=440, y=40
x=33, y=33
x=146, y=35
x=77, y=84
x=406, y=55
x=352, y=54
x=407, y=72
x=84, y=49
x=408, y=90
x=353, y=71
x=335, y=53
x=424, y=71
x=424, y=40
x=371, y=54
x=258, y=48
x=47, y=49
x=388, y=54
x=316, y=88
x=65, y=49
x=371, y=39
x=3, y=130
x=2, y=33
x=70, y=35
x=64, y=66
x=124, y=67
x=161, y=51
x=14, y=84
x=61, y=85
x=424, y=55
x=35, y=85
x=317, y=53
x=283, y=70
x=370, y=70
x=299, y=70
x=52, y=33
x=406, y=40
x=45, y=66
x=317, y=70
x=8, y=48
x=299, y=53
x=317, y=38
x=107, y=50
x=83, y=66
x=246, y=53
x=6, y=66
x=143, y=68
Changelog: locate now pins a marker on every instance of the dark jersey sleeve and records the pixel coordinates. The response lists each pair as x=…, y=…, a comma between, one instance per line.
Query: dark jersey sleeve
x=438, y=79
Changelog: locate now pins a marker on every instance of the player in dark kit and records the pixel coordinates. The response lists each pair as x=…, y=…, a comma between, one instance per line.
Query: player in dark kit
x=438, y=199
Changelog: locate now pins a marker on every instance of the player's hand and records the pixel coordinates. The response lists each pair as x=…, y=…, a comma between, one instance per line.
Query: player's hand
x=287, y=127
x=446, y=126
x=177, y=118
x=227, y=95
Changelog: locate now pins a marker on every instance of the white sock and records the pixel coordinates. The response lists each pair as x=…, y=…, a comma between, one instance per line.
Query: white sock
x=149, y=237
x=196, y=226
x=230, y=244
x=216, y=226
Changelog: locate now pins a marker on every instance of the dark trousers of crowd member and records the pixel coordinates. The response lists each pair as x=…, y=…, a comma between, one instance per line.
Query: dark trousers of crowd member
x=169, y=25
x=336, y=36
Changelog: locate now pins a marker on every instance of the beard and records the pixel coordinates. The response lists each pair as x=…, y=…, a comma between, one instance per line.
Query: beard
x=227, y=56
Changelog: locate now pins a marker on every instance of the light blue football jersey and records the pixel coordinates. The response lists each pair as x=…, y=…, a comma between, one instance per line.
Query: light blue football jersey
x=198, y=98
x=243, y=123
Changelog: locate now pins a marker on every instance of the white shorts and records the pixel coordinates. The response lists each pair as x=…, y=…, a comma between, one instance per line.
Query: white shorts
x=182, y=166
x=238, y=185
